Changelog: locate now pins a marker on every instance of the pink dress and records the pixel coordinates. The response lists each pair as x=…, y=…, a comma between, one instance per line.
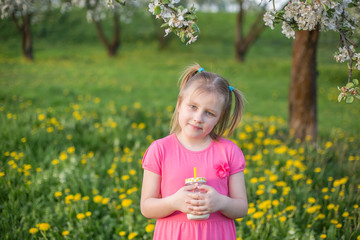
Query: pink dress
x=174, y=163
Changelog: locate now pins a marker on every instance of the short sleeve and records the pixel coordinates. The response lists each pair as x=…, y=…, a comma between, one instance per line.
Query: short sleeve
x=152, y=159
x=237, y=160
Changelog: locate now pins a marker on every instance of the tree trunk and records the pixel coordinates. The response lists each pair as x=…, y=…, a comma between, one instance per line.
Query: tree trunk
x=302, y=92
x=26, y=37
x=243, y=43
x=113, y=46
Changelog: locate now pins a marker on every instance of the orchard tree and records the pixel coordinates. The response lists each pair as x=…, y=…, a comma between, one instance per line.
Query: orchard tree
x=98, y=10
x=24, y=13
x=302, y=20
x=244, y=41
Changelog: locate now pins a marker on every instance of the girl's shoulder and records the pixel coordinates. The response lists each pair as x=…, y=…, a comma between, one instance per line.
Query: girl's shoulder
x=226, y=142
x=163, y=142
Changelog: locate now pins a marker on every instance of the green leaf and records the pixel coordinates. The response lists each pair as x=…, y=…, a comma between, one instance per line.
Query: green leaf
x=157, y=10
x=196, y=28
x=356, y=82
x=349, y=99
x=340, y=98
x=164, y=25
x=357, y=96
x=350, y=85
x=165, y=2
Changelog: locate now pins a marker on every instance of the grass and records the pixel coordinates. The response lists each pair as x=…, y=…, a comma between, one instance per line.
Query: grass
x=74, y=125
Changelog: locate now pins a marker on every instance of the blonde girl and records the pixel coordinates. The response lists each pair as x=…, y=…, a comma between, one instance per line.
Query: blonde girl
x=201, y=117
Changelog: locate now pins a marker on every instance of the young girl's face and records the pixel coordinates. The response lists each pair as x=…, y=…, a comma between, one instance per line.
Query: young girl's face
x=199, y=113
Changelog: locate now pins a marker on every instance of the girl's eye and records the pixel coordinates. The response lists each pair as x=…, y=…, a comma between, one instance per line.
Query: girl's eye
x=210, y=114
x=193, y=107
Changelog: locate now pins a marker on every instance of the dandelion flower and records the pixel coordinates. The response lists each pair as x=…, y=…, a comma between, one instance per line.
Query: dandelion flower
x=98, y=199
x=65, y=233
x=2, y=174
x=43, y=226
x=80, y=216
x=323, y=236
x=122, y=233
x=132, y=235
x=33, y=230
x=88, y=214
x=149, y=228
x=58, y=194
x=126, y=202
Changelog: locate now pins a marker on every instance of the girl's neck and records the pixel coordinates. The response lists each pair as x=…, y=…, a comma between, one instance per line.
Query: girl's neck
x=194, y=144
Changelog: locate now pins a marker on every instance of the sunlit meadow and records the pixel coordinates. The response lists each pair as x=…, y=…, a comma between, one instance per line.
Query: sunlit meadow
x=75, y=124
x=75, y=173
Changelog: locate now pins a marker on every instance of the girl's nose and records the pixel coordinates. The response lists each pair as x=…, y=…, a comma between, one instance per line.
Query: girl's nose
x=198, y=117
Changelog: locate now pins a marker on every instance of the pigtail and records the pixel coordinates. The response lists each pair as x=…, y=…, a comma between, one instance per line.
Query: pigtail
x=187, y=74
x=237, y=112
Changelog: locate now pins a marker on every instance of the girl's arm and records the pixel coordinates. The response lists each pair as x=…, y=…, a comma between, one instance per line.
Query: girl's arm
x=233, y=206
x=152, y=205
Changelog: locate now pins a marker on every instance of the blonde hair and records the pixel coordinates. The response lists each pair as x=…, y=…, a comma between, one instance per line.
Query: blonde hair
x=211, y=83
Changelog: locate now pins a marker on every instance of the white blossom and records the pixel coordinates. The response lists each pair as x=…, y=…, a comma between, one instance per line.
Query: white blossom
x=269, y=19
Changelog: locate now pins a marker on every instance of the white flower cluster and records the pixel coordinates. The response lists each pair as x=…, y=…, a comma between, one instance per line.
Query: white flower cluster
x=178, y=20
x=344, y=55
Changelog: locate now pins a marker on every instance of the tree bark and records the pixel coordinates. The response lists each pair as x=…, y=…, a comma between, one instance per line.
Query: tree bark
x=242, y=42
x=26, y=36
x=302, y=92
x=113, y=46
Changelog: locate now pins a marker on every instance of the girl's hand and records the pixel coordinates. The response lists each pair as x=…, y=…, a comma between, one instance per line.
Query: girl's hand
x=207, y=201
x=178, y=200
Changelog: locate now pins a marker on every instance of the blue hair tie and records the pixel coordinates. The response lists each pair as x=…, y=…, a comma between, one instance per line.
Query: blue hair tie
x=201, y=70
x=231, y=88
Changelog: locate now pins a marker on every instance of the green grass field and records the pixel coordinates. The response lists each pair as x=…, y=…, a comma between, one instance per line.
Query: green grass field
x=75, y=123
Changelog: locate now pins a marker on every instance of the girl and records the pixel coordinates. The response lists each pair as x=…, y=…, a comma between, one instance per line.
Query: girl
x=201, y=116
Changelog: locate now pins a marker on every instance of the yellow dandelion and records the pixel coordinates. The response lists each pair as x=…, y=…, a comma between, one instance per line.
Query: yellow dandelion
x=33, y=230
x=80, y=216
x=328, y=144
x=141, y=126
x=132, y=235
x=132, y=172
x=71, y=150
x=105, y=201
x=150, y=228
x=98, y=199
x=65, y=233
x=260, y=192
x=323, y=236
x=55, y=162
x=282, y=219
x=126, y=202
x=41, y=117
x=317, y=170
x=88, y=213
x=311, y=200
x=23, y=139
x=2, y=174
x=345, y=214
x=125, y=177
x=58, y=194
x=258, y=215
x=122, y=233
x=63, y=156
x=43, y=226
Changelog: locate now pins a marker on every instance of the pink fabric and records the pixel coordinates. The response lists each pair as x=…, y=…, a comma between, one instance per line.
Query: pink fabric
x=174, y=163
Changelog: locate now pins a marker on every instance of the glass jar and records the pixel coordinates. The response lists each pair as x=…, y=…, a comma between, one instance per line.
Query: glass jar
x=199, y=181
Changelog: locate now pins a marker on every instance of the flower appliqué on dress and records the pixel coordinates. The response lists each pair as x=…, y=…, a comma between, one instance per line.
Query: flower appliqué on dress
x=222, y=170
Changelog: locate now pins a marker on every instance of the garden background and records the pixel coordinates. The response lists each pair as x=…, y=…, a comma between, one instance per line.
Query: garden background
x=75, y=123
